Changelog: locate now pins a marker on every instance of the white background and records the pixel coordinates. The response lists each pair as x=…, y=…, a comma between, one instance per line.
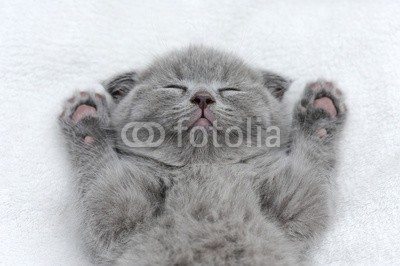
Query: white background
x=48, y=49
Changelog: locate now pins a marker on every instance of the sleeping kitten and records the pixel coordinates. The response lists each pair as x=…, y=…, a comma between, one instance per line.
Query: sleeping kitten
x=217, y=175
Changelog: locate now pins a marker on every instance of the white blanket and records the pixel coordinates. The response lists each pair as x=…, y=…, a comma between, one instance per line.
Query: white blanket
x=48, y=49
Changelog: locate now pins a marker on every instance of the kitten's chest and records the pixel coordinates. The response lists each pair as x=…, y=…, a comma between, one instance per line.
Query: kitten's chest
x=212, y=192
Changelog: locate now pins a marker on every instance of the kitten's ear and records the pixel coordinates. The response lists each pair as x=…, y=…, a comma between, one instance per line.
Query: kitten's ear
x=120, y=85
x=276, y=84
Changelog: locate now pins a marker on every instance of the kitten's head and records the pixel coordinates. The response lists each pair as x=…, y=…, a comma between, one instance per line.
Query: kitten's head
x=203, y=100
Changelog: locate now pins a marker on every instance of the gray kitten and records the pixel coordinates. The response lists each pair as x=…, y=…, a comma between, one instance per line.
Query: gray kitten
x=206, y=194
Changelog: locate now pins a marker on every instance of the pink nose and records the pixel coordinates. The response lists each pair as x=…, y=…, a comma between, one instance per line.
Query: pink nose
x=202, y=99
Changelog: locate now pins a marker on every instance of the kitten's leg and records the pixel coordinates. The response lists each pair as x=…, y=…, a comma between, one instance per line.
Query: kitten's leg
x=114, y=197
x=300, y=194
x=85, y=123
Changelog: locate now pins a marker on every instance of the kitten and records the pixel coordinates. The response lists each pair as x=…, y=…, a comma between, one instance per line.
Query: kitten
x=233, y=181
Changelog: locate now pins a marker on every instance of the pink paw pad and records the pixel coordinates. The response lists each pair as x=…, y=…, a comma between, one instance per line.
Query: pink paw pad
x=326, y=104
x=82, y=111
x=89, y=140
x=322, y=132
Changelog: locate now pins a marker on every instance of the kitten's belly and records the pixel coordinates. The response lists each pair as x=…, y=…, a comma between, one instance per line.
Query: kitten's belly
x=212, y=217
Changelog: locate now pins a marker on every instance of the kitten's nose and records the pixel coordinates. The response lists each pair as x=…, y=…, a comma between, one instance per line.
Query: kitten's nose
x=202, y=99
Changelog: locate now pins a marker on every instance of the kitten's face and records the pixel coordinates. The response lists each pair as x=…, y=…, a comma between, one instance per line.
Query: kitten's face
x=199, y=90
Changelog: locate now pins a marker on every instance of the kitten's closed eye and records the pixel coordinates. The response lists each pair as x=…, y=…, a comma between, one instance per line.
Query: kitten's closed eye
x=173, y=86
x=228, y=91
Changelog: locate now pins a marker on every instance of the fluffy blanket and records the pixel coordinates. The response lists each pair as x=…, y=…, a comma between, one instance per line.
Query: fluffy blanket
x=48, y=49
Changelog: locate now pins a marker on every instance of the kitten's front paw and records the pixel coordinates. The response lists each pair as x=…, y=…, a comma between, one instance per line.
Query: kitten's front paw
x=85, y=115
x=322, y=109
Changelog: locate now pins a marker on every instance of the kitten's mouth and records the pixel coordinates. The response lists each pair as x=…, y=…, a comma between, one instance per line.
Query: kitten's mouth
x=202, y=122
x=202, y=118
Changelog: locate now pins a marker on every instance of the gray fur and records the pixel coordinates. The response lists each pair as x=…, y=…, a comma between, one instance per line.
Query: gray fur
x=202, y=206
